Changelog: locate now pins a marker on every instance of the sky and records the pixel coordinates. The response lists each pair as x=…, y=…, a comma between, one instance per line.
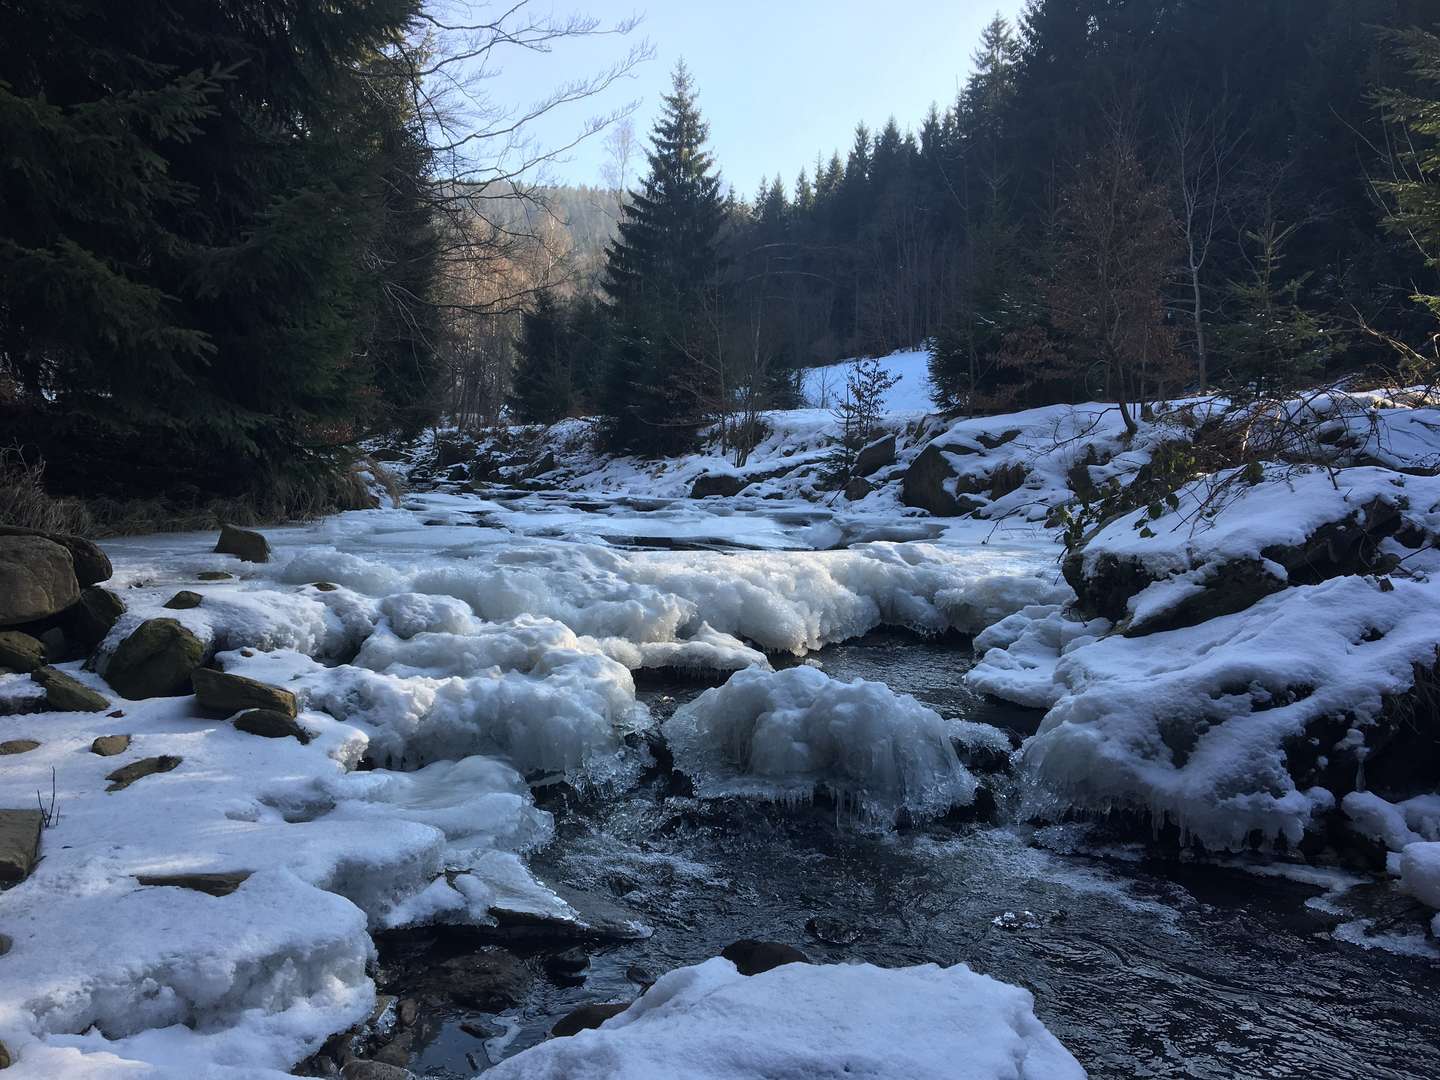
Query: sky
x=778, y=80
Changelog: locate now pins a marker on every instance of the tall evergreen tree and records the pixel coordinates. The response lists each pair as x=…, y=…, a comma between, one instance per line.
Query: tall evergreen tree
x=662, y=279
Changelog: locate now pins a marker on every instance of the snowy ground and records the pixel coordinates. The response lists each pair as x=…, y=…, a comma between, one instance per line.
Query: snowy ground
x=470, y=641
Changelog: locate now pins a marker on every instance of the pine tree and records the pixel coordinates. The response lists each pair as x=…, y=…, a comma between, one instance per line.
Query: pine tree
x=1415, y=193
x=858, y=413
x=662, y=271
x=542, y=388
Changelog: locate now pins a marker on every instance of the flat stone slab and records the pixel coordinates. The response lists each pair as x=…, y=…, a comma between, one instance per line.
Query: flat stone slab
x=18, y=746
x=19, y=844
x=218, y=884
x=269, y=724
x=126, y=775
x=64, y=693
x=234, y=693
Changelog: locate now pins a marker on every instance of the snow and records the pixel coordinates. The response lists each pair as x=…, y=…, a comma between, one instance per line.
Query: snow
x=823, y=387
x=810, y=1022
x=783, y=735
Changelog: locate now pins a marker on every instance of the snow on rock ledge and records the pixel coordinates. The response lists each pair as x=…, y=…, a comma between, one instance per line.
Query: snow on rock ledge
x=810, y=1022
x=783, y=735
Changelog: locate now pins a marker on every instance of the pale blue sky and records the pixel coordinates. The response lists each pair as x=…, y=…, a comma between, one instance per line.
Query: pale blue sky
x=778, y=79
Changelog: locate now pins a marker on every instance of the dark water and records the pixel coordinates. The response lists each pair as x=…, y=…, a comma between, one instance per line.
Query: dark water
x=1142, y=969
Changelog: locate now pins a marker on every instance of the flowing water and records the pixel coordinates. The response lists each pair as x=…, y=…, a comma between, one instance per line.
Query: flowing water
x=1143, y=969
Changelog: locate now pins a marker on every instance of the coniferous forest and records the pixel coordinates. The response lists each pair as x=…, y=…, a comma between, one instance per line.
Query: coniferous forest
x=242, y=259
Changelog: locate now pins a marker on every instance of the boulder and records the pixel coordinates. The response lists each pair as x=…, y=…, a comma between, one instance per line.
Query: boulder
x=126, y=775
x=91, y=619
x=586, y=1017
x=214, y=575
x=752, y=957
x=324, y=586
x=452, y=451
x=92, y=565
x=222, y=884
x=110, y=745
x=156, y=660
x=875, y=456
x=269, y=724
x=235, y=693
x=64, y=693
x=19, y=844
x=20, y=652
x=184, y=600
x=929, y=485
x=37, y=579
x=724, y=484
x=245, y=544
x=17, y=746
x=858, y=488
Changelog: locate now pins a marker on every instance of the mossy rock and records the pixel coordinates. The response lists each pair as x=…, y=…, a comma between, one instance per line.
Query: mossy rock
x=156, y=660
x=20, y=652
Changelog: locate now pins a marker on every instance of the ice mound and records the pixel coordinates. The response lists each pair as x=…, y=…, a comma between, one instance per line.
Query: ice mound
x=781, y=735
x=811, y=1022
x=1020, y=653
x=564, y=709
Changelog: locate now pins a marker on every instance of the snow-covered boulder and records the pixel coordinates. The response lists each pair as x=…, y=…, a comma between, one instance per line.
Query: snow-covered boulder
x=809, y=1022
x=784, y=735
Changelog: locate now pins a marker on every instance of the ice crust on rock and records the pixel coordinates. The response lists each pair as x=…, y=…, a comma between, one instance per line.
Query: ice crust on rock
x=783, y=735
x=811, y=1022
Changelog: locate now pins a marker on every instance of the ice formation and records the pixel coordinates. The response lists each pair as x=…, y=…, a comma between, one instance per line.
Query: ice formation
x=783, y=735
x=812, y=1022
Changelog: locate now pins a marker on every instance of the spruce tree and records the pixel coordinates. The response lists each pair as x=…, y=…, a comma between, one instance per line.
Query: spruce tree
x=662, y=271
x=541, y=391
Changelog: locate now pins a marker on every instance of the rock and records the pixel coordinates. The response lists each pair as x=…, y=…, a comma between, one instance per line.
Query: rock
x=269, y=724
x=374, y=1070
x=211, y=884
x=64, y=693
x=875, y=456
x=568, y=967
x=184, y=600
x=324, y=586
x=586, y=1017
x=458, y=473
x=407, y=1012
x=20, y=652
x=37, y=579
x=245, y=544
x=110, y=745
x=235, y=693
x=215, y=575
x=397, y=1051
x=6, y=944
x=1007, y=478
x=596, y=919
x=56, y=645
x=641, y=977
x=156, y=660
x=452, y=451
x=91, y=619
x=858, y=488
x=928, y=484
x=752, y=957
x=488, y=980
x=724, y=484
x=92, y=565
x=17, y=746
x=545, y=464
x=123, y=777
x=19, y=844
x=5, y=1061
x=479, y=1029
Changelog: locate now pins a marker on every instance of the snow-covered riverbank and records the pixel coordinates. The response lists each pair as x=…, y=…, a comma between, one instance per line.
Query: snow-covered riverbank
x=206, y=898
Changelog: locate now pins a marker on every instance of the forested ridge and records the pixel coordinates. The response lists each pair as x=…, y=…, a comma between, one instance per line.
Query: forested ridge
x=237, y=241
x=1126, y=200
